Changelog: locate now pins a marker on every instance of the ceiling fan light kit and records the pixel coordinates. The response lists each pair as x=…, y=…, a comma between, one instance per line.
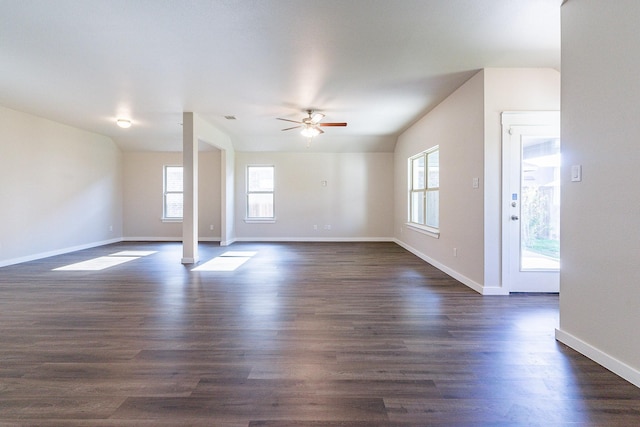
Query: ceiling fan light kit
x=310, y=131
x=124, y=123
x=311, y=124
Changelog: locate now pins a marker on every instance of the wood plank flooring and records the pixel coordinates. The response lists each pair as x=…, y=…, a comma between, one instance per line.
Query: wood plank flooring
x=302, y=334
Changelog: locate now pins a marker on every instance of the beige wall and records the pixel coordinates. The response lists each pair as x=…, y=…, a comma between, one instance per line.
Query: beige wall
x=600, y=275
x=208, y=134
x=457, y=126
x=467, y=128
x=507, y=89
x=61, y=188
x=143, y=196
x=356, y=202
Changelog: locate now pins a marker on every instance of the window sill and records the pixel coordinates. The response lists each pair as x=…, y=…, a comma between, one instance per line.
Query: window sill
x=429, y=231
x=171, y=219
x=260, y=220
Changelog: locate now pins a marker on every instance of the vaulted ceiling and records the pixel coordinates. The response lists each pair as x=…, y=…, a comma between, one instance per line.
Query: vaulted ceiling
x=377, y=64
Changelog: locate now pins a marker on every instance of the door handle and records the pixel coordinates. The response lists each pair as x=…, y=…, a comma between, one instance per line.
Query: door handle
x=514, y=217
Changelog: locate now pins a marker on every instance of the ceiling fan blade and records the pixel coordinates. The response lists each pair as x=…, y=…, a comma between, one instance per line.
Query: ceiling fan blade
x=287, y=120
x=331, y=124
x=295, y=127
x=321, y=131
x=316, y=118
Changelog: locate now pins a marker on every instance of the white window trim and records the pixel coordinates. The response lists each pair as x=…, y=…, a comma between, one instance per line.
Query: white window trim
x=259, y=220
x=424, y=229
x=164, y=194
x=421, y=228
x=163, y=219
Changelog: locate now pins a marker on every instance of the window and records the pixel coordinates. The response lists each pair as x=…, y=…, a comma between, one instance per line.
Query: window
x=172, y=199
x=424, y=189
x=260, y=193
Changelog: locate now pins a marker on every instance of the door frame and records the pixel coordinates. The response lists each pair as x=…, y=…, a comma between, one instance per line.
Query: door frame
x=510, y=119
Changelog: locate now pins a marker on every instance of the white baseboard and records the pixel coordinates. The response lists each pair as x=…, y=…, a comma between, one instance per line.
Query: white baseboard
x=61, y=251
x=314, y=239
x=227, y=242
x=600, y=357
x=483, y=290
x=494, y=290
x=152, y=239
x=167, y=239
x=260, y=239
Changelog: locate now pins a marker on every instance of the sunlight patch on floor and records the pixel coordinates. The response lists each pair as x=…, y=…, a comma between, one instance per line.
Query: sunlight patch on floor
x=239, y=253
x=100, y=263
x=96, y=264
x=228, y=261
x=134, y=253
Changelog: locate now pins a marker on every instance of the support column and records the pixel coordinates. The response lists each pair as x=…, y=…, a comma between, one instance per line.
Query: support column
x=190, y=191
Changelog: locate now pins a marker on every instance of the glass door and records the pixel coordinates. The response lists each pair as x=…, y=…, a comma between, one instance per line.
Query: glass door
x=540, y=203
x=531, y=206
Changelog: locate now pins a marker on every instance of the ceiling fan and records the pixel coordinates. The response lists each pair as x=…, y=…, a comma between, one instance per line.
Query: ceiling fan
x=311, y=125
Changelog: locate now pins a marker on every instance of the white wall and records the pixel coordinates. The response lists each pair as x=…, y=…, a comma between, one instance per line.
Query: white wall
x=600, y=219
x=143, y=196
x=357, y=201
x=61, y=188
x=467, y=128
x=457, y=126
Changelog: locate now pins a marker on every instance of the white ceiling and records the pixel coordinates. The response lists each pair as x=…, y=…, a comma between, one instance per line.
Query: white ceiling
x=377, y=64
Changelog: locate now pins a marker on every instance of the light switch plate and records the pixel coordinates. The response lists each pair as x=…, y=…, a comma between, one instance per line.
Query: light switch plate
x=576, y=173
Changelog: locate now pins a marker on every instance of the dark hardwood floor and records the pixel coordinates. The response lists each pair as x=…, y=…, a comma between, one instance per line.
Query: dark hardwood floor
x=302, y=334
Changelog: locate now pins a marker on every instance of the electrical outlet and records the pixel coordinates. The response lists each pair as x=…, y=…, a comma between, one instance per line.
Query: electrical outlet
x=455, y=252
x=315, y=226
x=211, y=227
x=327, y=227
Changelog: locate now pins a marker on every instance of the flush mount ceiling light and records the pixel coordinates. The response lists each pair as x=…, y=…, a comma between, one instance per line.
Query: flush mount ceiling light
x=123, y=123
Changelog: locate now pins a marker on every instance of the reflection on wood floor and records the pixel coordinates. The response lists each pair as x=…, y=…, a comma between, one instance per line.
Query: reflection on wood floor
x=300, y=334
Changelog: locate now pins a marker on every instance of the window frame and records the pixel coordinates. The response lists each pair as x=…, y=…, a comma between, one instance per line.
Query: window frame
x=433, y=231
x=165, y=192
x=260, y=219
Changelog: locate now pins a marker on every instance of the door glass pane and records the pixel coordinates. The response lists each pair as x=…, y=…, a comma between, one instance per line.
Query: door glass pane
x=540, y=204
